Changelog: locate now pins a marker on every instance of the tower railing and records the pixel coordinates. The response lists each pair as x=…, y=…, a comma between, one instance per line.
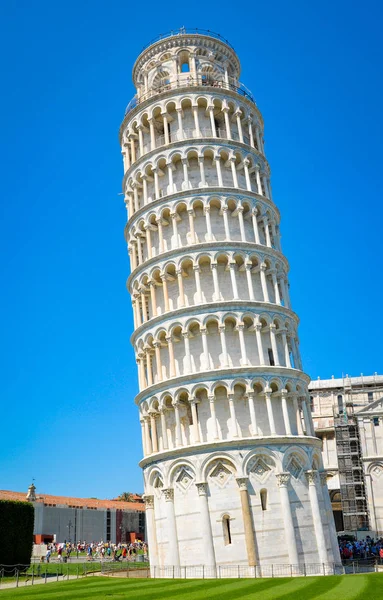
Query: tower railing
x=185, y=31
x=190, y=81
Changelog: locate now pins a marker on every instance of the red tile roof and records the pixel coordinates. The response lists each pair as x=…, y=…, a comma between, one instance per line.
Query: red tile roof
x=77, y=502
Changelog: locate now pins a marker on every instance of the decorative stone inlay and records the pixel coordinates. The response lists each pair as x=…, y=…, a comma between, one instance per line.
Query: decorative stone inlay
x=260, y=469
x=377, y=471
x=220, y=475
x=295, y=468
x=184, y=479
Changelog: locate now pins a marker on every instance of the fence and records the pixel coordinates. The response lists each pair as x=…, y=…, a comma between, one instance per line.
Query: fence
x=26, y=575
x=244, y=571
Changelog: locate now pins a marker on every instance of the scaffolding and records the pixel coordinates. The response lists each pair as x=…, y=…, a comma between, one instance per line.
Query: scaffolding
x=351, y=475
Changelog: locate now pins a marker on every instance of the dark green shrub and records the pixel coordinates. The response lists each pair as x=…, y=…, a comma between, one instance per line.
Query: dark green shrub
x=16, y=532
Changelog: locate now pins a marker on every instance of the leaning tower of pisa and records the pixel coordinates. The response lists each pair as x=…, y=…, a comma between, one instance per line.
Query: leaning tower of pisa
x=233, y=472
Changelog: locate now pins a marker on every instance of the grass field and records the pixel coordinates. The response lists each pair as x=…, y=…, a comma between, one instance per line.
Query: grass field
x=350, y=587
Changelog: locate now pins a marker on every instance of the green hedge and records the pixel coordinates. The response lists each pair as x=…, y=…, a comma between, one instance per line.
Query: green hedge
x=16, y=532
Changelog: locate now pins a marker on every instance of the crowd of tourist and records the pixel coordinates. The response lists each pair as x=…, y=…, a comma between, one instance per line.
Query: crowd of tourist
x=95, y=551
x=356, y=549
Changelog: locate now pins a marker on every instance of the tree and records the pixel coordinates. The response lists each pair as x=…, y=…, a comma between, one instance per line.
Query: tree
x=126, y=497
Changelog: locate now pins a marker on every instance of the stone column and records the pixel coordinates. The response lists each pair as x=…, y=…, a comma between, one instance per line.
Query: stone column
x=148, y=441
x=212, y=122
x=221, y=329
x=142, y=423
x=276, y=288
x=188, y=366
x=251, y=136
x=197, y=283
x=153, y=300
x=156, y=183
x=164, y=431
x=209, y=233
x=265, y=291
x=202, y=170
x=165, y=291
x=269, y=408
x=247, y=175
x=160, y=234
x=247, y=521
x=172, y=364
x=241, y=223
x=196, y=121
x=193, y=405
x=267, y=231
x=248, y=267
x=273, y=337
x=298, y=414
x=217, y=294
x=181, y=288
x=208, y=547
x=191, y=225
x=285, y=412
x=233, y=416
x=157, y=349
x=317, y=517
x=166, y=128
x=255, y=226
x=185, y=165
x=140, y=139
x=152, y=135
x=219, y=172
x=226, y=222
x=290, y=540
x=233, y=280
x=286, y=350
x=258, y=178
x=151, y=530
x=203, y=331
x=239, y=126
x=225, y=111
x=178, y=423
x=240, y=327
x=153, y=428
x=170, y=177
x=171, y=528
x=258, y=330
x=174, y=217
x=148, y=240
x=306, y=418
x=213, y=416
x=254, y=429
x=180, y=135
x=233, y=171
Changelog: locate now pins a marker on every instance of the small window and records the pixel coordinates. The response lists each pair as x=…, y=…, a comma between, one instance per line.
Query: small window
x=340, y=404
x=312, y=404
x=263, y=495
x=271, y=357
x=376, y=421
x=370, y=396
x=226, y=530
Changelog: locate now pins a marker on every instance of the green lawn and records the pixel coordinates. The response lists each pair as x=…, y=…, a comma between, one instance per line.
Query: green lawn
x=350, y=587
x=65, y=569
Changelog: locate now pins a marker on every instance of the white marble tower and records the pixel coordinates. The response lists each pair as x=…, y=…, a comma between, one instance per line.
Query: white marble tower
x=233, y=473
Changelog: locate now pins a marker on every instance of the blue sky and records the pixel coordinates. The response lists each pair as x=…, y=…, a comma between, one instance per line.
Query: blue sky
x=67, y=368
